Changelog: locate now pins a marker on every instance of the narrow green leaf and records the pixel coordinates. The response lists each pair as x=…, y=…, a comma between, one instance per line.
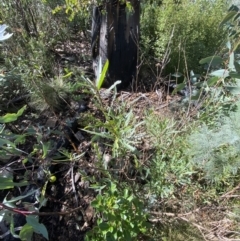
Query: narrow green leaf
x=235, y=46
x=45, y=147
x=20, y=197
x=114, y=85
x=231, y=61
x=129, y=147
x=228, y=17
x=12, y=116
x=7, y=183
x=102, y=75
x=212, y=60
x=12, y=228
x=68, y=75
x=6, y=142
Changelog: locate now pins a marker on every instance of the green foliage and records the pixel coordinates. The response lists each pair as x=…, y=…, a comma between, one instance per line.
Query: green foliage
x=77, y=12
x=8, y=140
x=169, y=167
x=121, y=215
x=10, y=209
x=191, y=28
x=215, y=150
x=32, y=53
x=118, y=128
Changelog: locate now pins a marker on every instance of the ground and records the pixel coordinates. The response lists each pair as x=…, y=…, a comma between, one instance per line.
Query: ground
x=67, y=214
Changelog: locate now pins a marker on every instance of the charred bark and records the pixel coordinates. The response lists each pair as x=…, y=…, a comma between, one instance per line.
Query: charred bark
x=115, y=35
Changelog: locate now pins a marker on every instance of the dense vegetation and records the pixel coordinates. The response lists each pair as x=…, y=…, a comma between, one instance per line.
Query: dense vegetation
x=159, y=161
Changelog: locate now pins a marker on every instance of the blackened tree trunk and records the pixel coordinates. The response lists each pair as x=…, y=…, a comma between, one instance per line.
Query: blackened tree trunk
x=115, y=35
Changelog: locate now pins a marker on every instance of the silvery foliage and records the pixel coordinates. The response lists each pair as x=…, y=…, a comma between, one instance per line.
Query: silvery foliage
x=3, y=34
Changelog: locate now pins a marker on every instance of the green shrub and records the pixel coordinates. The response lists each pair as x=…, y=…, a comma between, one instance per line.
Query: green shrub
x=121, y=215
x=169, y=168
x=216, y=150
x=190, y=26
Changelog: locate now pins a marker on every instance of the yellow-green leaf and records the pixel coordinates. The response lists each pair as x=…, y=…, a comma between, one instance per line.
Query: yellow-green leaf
x=12, y=116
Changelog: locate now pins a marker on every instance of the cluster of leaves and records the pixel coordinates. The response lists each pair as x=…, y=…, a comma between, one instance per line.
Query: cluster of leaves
x=9, y=206
x=168, y=168
x=121, y=215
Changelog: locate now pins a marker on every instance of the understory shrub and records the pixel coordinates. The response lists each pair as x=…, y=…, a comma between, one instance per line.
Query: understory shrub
x=191, y=28
x=215, y=150
x=32, y=52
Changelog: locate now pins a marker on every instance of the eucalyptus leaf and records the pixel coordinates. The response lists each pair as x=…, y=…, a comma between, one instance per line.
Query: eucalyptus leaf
x=228, y=44
x=234, y=75
x=222, y=73
x=212, y=81
x=196, y=95
x=234, y=90
x=179, y=87
x=177, y=75
x=211, y=60
x=237, y=66
x=228, y=17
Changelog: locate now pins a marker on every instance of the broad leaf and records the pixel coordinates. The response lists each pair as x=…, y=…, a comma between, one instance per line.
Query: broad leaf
x=26, y=232
x=234, y=90
x=212, y=81
x=234, y=75
x=179, y=87
x=222, y=73
x=212, y=60
x=177, y=75
x=38, y=227
x=237, y=66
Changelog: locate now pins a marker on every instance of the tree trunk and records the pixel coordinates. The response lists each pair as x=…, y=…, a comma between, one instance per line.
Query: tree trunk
x=115, y=35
